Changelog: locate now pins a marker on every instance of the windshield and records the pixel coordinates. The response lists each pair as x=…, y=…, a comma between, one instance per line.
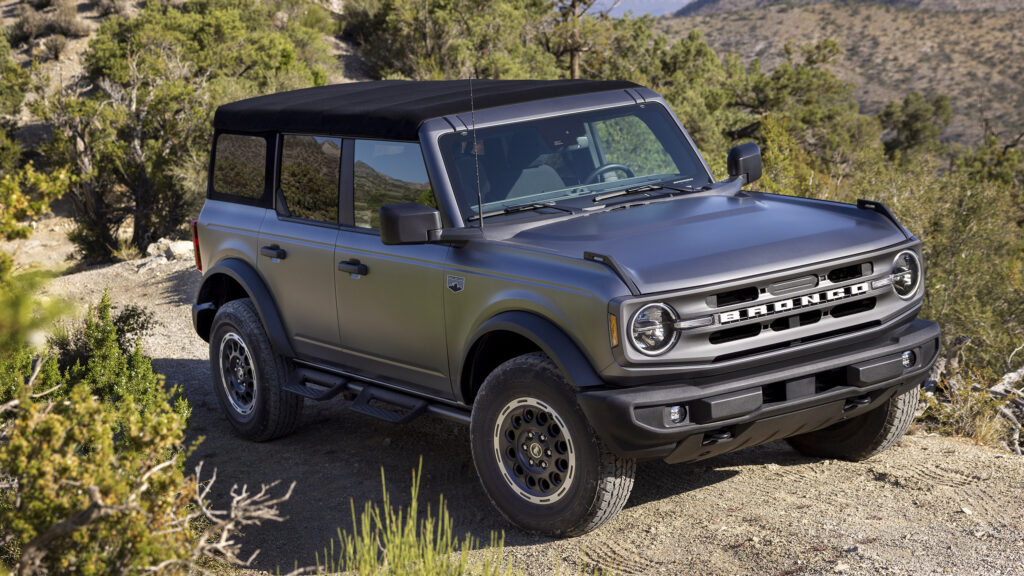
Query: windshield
x=577, y=155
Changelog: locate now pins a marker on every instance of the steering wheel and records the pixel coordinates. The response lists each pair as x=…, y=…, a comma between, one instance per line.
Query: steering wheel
x=608, y=168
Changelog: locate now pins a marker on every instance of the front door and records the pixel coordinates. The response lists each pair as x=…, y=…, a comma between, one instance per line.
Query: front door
x=390, y=298
x=297, y=243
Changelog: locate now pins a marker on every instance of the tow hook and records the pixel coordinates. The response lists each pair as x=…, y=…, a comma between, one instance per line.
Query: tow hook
x=854, y=403
x=716, y=436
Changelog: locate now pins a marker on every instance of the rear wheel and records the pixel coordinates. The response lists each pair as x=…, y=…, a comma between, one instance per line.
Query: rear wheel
x=864, y=436
x=541, y=463
x=248, y=375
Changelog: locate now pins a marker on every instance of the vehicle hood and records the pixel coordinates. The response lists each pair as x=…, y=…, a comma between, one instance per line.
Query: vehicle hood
x=706, y=239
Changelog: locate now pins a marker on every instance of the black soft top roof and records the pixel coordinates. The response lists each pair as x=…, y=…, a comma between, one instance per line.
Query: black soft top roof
x=392, y=109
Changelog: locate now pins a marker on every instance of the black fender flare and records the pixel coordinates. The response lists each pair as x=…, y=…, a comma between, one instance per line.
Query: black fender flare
x=250, y=281
x=551, y=339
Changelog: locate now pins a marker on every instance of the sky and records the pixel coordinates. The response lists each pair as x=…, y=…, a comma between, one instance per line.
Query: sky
x=652, y=7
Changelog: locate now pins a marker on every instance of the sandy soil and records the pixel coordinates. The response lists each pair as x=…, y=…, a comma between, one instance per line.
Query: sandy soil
x=930, y=505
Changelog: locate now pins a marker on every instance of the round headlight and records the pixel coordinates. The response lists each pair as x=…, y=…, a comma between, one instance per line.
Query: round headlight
x=651, y=330
x=906, y=274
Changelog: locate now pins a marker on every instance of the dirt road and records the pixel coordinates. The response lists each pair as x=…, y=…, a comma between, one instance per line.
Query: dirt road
x=930, y=505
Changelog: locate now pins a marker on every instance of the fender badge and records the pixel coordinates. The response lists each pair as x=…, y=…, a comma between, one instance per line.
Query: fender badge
x=456, y=283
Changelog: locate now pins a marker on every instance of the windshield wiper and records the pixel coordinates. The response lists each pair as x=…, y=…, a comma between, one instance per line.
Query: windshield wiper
x=519, y=208
x=643, y=189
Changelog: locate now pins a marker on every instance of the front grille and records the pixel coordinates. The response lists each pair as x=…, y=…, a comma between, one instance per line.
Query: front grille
x=733, y=297
x=795, y=342
x=783, y=311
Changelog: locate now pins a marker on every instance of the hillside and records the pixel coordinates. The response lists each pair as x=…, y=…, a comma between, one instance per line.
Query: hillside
x=972, y=56
x=700, y=7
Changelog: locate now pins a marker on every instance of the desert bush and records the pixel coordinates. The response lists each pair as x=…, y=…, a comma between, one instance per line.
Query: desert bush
x=54, y=46
x=113, y=7
x=29, y=26
x=40, y=4
x=64, y=20
x=959, y=409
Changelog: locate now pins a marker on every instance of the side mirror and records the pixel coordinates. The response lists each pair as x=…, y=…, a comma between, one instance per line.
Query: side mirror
x=745, y=160
x=408, y=223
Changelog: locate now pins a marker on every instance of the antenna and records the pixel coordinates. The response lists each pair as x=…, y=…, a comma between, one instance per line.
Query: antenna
x=476, y=157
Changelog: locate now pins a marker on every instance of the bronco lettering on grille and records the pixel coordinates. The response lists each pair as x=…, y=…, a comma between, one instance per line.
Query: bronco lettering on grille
x=788, y=304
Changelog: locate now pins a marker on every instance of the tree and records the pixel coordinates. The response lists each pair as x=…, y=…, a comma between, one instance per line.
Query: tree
x=448, y=39
x=136, y=130
x=916, y=123
x=25, y=193
x=576, y=31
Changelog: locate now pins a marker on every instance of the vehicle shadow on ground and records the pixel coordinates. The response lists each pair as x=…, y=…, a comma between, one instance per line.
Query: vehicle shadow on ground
x=180, y=287
x=336, y=458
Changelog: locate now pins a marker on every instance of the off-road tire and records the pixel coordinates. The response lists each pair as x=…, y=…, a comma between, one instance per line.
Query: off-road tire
x=602, y=481
x=273, y=412
x=862, y=437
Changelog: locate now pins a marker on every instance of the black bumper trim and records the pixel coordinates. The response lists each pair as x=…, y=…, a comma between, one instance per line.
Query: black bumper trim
x=614, y=412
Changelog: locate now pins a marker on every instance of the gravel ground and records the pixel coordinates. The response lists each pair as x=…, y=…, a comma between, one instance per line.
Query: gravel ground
x=930, y=505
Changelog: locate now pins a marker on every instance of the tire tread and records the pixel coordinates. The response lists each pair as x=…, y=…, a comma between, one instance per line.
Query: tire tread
x=283, y=410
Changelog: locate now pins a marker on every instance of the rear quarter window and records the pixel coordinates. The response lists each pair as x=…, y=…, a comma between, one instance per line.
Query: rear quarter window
x=310, y=167
x=240, y=166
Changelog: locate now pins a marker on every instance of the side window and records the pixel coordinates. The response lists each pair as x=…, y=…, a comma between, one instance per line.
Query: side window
x=387, y=173
x=628, y=140
x=240, y=165
x=310, y=168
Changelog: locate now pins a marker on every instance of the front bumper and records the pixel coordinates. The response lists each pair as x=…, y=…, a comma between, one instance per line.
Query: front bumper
x=733, y=413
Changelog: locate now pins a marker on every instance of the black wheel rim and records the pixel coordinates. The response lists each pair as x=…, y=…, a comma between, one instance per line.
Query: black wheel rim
x=534, y=451
x=237, y=374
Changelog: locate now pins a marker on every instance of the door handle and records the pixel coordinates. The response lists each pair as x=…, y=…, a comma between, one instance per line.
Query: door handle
x=274, y=251
x=353, y=266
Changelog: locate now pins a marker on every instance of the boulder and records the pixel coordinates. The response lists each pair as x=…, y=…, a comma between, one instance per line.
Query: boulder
x=180, y=250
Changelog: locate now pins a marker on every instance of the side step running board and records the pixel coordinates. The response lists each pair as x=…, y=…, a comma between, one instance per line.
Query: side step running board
x=371, y=398
x=389, y=406
x=316, y=385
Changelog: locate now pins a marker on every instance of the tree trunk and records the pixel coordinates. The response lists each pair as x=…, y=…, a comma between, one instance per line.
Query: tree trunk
x=142, y=230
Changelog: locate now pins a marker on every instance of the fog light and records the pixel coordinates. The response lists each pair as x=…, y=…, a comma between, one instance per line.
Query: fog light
x=676, y=414
x=909, y=358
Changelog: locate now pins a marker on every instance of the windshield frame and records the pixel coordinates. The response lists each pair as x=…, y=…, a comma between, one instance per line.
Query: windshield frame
x=457, y=211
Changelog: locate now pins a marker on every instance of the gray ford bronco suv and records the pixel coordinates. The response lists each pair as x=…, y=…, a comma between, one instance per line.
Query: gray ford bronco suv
x=553, y=264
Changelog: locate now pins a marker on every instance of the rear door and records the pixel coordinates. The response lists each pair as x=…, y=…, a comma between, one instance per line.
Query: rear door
x=390, y=298
x=297, y=242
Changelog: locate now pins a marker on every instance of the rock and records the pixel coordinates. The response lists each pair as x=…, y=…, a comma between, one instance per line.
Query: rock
x=158, y=248
x=152, y=263
x=180, y=250
x=841, y=568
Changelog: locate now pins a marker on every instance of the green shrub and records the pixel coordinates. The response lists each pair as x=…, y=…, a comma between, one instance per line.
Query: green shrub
x=95, y=450
x=74, y=343
x=26, y=194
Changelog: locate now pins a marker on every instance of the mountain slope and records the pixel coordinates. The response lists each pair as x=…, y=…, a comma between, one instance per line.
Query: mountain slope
x=703, y=7
x=973, y=57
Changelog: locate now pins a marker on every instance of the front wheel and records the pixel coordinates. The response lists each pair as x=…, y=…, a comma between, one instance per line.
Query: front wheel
x=540, y=462
x=864, y=436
